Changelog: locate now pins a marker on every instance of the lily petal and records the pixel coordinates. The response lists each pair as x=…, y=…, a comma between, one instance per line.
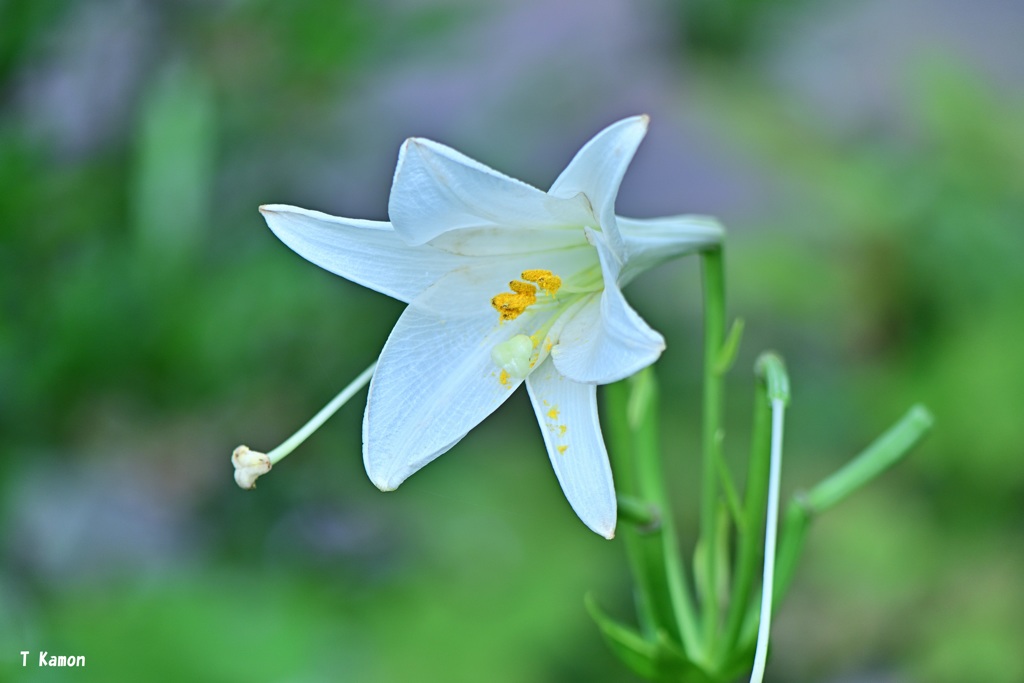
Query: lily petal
x=432, y=385
x=597, y=170
x=437, y=189
x=606, y=340
x=369, y=253
x=652, y=241
x=567, y=413
x=436, y=379
x=508, y=241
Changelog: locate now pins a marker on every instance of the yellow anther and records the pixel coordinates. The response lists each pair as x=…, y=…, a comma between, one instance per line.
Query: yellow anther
x=510, y=306
x=523, y=288
x=545, y=279
x=524, y=294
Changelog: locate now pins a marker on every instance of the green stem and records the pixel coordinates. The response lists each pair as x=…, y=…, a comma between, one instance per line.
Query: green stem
x=644, y=516
x=642, y=550
x=749, y=544
x=791, y=543
x=732, y=498
x=665, y=605
x=714, y=337
x=774, y=372
x=651, y=479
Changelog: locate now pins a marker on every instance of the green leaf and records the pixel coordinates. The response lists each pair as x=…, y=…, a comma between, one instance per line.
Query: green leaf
x=727, y=354
x=883, y=453
x=658, y=660
x=642, y=401
x=627, y=644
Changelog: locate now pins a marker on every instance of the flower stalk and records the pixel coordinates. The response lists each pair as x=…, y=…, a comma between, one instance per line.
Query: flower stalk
x=655, y=555
x=726, y=632
x=712, y=436
x=773, y=373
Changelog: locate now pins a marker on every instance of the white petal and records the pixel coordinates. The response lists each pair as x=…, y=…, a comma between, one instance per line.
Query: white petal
x=606, y=340
x=437, y=189
x=436, y=379
x=370, y=253
x=567, y=413
x=597, y=170
x=651, y=241
x=508, y=241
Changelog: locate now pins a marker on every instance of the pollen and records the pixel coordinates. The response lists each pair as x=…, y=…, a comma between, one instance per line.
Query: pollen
x=523, y=288
x=562, y=429
x=553, y=413
x=545, y=279
x=511, y=306
x=503, y=378
x=562, y=450
x=524, y=294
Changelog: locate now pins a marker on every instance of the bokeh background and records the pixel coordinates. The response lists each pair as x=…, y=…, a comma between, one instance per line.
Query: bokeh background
x=867, y=158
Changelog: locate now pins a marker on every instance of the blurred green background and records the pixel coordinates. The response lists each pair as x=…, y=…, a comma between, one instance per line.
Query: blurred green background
x=867, y=158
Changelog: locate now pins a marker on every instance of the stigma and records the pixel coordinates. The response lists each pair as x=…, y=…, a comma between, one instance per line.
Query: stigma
x=249, y=465
x=514, y=358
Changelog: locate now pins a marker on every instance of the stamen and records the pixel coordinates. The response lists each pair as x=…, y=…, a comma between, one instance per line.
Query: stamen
x=511, y=306
x=523, y=288
x=545, y=279
x=524, y=294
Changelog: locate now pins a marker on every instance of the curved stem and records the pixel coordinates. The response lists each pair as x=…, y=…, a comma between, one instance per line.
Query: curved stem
x=326, y=412
x=749, y=541
x=771, y=528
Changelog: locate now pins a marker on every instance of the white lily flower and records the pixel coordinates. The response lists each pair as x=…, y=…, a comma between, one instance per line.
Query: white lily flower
x=506, y=284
